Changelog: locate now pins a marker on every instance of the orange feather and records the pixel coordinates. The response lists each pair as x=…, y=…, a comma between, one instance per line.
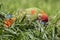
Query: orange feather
x=8, y=23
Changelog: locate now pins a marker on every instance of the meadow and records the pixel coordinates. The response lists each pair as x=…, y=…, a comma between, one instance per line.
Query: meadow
x=21, y=31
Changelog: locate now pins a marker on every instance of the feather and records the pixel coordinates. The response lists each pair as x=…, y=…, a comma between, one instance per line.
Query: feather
x=8, y=16
x=33, y=11
x=8, y=23
x=44, y=16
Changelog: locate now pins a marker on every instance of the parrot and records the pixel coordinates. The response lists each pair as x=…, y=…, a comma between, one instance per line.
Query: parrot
x=38, y=14
x=9, y=20
x=34, y=14
x=43, y=18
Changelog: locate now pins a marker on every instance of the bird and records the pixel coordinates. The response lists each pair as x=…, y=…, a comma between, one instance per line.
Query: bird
x=43, y=18
x=9, y=21
x=38, y=14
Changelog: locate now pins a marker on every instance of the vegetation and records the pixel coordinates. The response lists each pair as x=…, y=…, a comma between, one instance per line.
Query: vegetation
x=23, y=30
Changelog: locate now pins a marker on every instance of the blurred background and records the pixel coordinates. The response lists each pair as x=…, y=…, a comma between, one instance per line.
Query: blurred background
x=50, y=6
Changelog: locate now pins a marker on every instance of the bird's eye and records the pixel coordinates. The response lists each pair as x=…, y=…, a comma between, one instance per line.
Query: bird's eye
x=39, y=16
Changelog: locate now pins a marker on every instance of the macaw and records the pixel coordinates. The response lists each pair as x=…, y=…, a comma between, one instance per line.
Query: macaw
x=9, y=20
x=43, y=17
x=36, y=12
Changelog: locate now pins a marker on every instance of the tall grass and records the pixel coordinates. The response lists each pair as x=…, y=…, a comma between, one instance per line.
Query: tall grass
x=23, y=30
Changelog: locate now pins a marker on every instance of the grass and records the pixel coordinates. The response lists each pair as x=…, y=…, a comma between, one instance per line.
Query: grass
x=22, y=30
